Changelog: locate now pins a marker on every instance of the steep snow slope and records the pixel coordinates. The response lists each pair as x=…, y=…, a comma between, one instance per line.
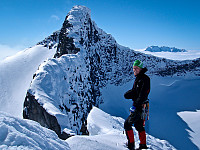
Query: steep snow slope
x=192, y=119
x=16, y=73
x=106, y=132
x=20, y=134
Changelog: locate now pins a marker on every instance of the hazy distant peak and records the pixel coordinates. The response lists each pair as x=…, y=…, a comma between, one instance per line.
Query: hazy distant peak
x=164, y=49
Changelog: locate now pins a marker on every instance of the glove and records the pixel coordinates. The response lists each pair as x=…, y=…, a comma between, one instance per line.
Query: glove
x=132, y=109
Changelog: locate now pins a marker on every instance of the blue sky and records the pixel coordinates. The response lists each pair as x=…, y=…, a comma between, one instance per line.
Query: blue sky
x=133, y=23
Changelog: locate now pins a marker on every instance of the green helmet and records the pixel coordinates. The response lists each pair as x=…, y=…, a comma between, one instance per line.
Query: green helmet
x=138, y=63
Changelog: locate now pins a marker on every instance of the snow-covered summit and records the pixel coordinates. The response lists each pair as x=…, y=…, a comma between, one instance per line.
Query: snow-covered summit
x=164, y=49
x=78, y=13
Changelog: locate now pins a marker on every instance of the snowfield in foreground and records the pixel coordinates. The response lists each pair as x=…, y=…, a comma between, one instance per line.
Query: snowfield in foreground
x=24, y=134
x=106, y=132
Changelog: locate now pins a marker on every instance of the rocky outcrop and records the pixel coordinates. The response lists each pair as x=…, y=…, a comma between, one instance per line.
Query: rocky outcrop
x=65, y=44
x=187, y=67
x=34, y=111
x=51, y=41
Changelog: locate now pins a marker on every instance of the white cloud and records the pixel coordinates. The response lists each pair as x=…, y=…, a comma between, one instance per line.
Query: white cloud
x=6, y=50
x=54, y=17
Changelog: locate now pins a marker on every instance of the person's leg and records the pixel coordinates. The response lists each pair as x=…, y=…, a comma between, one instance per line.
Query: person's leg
x=142, y=134
x=129, y=132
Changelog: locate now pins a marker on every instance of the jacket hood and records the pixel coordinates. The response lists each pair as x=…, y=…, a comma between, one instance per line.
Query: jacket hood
x=143, y=71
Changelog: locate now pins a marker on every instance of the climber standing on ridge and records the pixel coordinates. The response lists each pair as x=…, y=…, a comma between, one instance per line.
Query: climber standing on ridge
x=139, y=95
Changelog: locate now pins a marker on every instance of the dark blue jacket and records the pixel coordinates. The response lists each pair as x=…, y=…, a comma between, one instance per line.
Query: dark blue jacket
x=140, y=91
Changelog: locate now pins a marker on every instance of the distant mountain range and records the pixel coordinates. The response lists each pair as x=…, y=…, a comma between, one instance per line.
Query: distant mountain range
x=164, y=49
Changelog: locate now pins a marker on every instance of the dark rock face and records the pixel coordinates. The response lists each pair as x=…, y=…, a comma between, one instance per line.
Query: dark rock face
x=182, y=69
x=51, y=41
x=60, y=40
x=66, y=44
x=34, y=111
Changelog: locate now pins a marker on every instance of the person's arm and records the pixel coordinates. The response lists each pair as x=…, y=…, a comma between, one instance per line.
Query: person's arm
x=129, y=94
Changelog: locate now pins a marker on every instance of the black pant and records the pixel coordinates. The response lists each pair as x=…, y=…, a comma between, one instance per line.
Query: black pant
x=136, y=119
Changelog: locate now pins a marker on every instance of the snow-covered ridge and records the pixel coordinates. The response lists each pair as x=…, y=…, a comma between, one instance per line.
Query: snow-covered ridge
x=164, y=49
x=16, y=73
x=55, y=88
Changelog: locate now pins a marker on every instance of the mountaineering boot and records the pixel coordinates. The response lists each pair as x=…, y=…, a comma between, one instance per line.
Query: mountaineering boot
x=142, y=146
x=131, y=146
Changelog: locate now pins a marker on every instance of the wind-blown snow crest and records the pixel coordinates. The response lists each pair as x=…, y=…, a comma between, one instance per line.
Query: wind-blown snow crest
x=106, y=132
x=20, y=134
x=51, y=97
x=100, y=122
x=16, y=73
x=192, y=119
